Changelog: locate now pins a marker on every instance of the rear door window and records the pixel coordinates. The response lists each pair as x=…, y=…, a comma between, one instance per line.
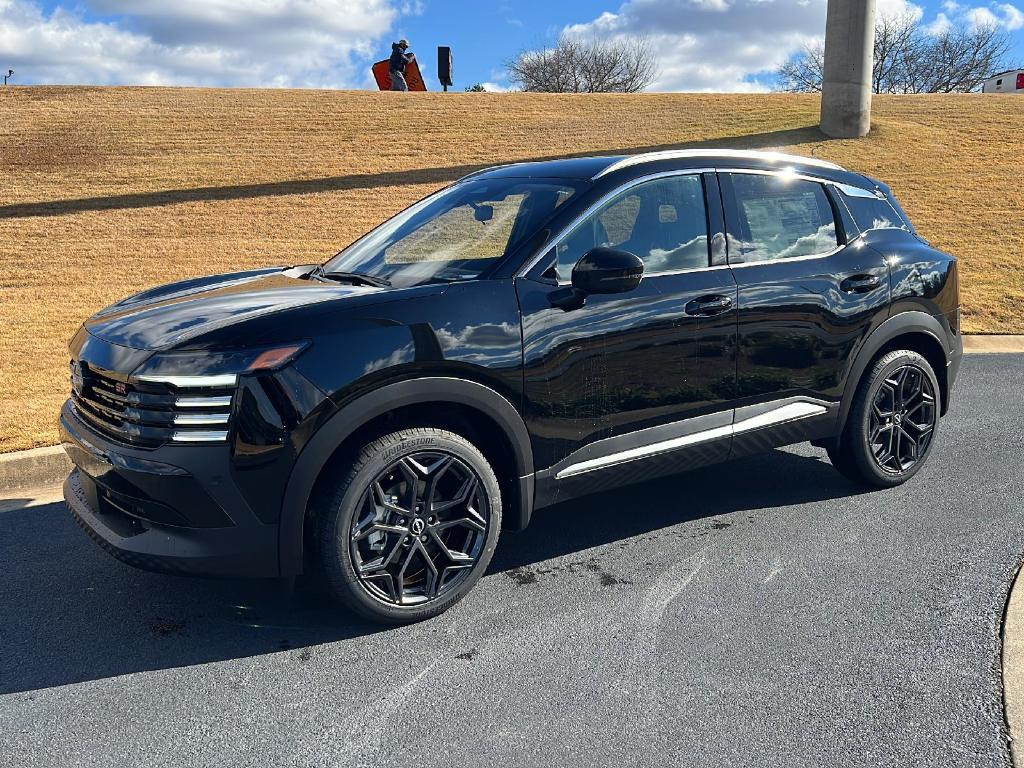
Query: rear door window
x=775, y=216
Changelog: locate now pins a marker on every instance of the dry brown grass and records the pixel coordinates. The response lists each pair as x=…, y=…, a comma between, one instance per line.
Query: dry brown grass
x=108, y=190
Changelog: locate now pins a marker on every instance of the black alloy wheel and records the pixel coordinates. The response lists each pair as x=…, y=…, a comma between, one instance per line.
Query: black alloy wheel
x=891, y=426
x=421, y=527
x=902, y=420
x=411, y=526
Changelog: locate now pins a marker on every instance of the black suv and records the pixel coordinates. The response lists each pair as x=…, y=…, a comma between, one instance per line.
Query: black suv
x=532, y=333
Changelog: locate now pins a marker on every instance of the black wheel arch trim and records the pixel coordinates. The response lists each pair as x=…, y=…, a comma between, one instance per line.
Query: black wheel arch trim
x=898, y=325
x=350, y=417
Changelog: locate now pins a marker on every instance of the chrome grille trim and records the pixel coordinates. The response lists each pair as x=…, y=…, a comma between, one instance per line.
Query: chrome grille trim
x=199, y=437
x=142, y=413
x=220, y=401
x=219, y=381
x=193, y=419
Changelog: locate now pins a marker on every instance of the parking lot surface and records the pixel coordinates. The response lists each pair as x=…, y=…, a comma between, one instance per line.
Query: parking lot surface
x=763, y=612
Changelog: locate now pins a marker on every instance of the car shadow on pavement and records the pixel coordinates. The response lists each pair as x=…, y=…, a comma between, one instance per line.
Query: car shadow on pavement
x=775, y=479
x=69, y=613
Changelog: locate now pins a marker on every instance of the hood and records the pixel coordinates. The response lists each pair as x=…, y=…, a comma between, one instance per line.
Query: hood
x=173, y=314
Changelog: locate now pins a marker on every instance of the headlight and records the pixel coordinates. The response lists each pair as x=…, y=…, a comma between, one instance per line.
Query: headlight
x=198, y=368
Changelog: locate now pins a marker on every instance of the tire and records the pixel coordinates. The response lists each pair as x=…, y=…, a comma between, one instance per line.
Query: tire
x=411, y=526
x=892, y=423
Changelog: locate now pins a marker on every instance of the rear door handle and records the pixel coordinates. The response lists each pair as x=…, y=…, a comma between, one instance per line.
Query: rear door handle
x=860, y=283
x=709, y=305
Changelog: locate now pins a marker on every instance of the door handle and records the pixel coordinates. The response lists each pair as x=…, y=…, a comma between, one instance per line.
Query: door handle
x=860, y=283
x=709, y=305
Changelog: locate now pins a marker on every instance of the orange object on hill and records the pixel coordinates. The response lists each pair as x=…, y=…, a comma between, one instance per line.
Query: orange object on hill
x=413, y=78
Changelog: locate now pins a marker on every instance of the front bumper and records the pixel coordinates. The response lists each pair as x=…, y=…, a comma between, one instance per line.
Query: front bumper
x=174, y=510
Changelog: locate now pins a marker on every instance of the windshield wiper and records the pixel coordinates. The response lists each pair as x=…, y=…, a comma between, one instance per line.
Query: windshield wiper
x=356, y=277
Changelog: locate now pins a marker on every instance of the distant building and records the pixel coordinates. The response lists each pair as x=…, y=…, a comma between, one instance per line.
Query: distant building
x=1011, y=81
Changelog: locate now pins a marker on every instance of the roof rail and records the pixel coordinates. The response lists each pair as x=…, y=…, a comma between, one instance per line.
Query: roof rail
x=478, y=171
x=674, y=154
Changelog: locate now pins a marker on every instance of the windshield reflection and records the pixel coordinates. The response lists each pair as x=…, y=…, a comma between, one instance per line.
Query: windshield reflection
x=458, y=233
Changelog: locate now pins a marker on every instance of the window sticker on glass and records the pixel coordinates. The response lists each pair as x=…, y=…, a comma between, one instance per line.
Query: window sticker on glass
x=783, y=218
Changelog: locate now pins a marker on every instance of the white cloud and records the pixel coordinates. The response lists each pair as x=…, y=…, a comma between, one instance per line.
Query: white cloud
x=940, y=25
x=315, y=43
x=714, y=45
x=736, y=45
x=994, y=14
x=897, y=8
x=1008, y=16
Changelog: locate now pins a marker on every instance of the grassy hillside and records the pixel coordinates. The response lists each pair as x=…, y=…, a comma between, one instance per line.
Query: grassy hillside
x=104, y=191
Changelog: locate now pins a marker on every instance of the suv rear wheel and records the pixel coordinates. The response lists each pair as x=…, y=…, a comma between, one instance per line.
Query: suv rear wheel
x=411, y=526
x=891, y=425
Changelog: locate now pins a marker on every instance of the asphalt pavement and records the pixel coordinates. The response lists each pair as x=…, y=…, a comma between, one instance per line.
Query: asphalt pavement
x=763, y=612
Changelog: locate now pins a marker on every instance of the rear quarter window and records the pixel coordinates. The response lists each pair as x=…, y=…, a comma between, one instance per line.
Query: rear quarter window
x=873, y=213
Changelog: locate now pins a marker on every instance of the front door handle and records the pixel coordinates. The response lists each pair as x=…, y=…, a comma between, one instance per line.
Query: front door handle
x=860, y=283
x=709, y=305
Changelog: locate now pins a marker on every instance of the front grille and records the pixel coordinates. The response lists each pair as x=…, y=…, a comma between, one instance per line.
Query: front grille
x=150, y=414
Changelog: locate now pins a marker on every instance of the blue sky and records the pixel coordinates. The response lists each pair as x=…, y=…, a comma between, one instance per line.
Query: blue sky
x=724, y=45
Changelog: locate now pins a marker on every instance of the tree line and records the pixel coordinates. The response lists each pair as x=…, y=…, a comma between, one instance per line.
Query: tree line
x=909, y=57
x=912, y=58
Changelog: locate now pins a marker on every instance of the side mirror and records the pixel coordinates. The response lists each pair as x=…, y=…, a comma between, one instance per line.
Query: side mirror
x=607, y=270
x=601, y=270
x=483, y=213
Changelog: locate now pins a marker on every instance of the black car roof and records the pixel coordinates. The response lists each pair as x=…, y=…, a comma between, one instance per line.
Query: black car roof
x=563, y=168
x=626, y=166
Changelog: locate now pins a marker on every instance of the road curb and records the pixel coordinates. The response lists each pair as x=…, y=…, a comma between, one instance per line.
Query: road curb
x=41, y=467
x=977, y=345
x=34, y=468
x=1013, y=667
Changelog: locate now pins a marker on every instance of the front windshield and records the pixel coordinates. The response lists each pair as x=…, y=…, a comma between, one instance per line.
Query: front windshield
x=458, y=233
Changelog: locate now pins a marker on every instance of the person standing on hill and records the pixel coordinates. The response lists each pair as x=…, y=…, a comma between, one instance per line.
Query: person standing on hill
x=397, y=64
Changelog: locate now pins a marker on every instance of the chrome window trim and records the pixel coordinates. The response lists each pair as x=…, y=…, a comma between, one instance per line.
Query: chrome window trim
x=808, y=257
x=742, y=154
x=782, y=172
x=851, y=191
x=786, y=411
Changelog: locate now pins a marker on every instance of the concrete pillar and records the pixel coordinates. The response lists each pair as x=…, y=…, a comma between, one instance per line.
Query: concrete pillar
x=849, y=48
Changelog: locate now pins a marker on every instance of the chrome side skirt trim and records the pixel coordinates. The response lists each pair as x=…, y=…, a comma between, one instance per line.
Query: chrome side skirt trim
x=791, y=411
x=643, y=451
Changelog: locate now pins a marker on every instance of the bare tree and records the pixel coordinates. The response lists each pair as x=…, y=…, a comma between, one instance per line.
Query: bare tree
x=911, y=59
x=805, y=72
x=960, y=59
x=586, y=66
x=898, y=44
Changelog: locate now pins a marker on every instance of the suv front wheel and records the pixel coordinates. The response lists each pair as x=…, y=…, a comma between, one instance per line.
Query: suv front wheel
x=891, y=426
x=412, y=525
